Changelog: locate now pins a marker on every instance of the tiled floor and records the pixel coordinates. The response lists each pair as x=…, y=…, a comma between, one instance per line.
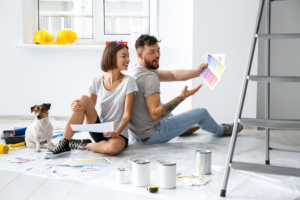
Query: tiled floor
x=14, y=185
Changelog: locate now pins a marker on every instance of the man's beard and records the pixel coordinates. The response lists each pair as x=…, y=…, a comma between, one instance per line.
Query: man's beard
x=149, y=64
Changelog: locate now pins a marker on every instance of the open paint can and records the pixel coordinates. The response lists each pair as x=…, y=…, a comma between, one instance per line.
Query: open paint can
x=167, y=175
x=122, y=175
x=203, y=162
x=141, y=173
x=159, y=161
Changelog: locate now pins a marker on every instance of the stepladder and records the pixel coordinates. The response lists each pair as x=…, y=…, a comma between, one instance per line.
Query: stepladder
x=266, y=123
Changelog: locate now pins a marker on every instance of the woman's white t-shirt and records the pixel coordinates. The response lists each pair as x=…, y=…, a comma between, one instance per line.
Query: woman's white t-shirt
x=112, y=103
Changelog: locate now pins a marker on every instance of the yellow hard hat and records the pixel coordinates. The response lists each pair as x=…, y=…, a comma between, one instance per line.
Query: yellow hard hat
x=66, y=36
x=43, y=37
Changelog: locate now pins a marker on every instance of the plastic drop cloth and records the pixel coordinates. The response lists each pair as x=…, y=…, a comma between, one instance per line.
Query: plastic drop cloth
x=241, y=185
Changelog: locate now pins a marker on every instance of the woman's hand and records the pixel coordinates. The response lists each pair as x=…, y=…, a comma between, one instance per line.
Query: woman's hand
x=75, y=105
x=113, y=134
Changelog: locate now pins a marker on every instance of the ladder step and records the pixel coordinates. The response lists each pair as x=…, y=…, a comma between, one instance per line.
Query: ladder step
x=279, y=36
x=270, y=123
x=267, y=169
x=275, y=78
x=280, y=0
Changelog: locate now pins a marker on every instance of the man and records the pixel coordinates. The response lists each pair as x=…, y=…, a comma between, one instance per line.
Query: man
x=152, y=122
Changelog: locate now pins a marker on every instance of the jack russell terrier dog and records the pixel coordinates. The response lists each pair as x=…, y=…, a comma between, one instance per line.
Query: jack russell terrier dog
x=40, y=131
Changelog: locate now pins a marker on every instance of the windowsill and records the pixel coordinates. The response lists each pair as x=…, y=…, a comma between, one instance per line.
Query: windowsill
x=36, y=46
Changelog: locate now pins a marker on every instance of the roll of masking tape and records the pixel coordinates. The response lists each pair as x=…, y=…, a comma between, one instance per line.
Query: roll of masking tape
x=4, y=149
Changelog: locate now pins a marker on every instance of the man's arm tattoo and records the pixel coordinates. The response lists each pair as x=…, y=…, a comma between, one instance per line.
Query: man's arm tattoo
x=159, y=114
x=167, y=108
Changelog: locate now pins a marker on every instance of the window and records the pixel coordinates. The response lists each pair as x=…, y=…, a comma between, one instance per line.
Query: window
x=97, y=21
x=77, y=15
x=116, y=18
x=121, y=16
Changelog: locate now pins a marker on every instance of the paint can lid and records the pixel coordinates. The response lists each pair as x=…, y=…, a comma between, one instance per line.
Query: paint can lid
x=122, y=169
x=203, y=151
x=167, y=163
x=159, y=161
x=144, y=161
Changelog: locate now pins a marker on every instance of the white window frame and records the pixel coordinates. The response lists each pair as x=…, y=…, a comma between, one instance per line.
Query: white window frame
x=79, y=41
x=101, y=37
x=30, y=23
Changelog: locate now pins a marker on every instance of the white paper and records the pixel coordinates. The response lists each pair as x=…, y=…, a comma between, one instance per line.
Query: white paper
x=98, y=128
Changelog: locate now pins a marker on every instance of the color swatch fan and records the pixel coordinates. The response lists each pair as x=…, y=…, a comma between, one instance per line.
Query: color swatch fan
x=94, y=161
x=213, y=72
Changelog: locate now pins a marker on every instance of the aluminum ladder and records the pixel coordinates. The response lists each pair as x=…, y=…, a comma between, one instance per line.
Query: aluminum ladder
x=267, y=123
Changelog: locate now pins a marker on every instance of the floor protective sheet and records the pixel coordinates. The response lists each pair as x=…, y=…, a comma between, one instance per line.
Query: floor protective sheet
x=241, y=185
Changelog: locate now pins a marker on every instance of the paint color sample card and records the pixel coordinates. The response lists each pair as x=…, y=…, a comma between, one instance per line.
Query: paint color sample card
x=88, y=173
x=22, y=168
x=215, y=65
x=20, y=159
x=95, y=161
x=55, y=161
x=98, y=128
x=47, y=170
x=56, y=174
x=127, y=163
x=213, y=72
x=90, y=170
x=220, y=57
x=209, y=78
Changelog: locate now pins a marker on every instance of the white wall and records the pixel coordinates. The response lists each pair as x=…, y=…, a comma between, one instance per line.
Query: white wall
x=175, y=31
x=284, y=97
x=35, y=76
x=225, y=26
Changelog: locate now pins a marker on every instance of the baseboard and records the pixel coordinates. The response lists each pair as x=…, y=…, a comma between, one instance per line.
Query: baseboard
x=30, y=117
x=262, y=128
x=250, y=127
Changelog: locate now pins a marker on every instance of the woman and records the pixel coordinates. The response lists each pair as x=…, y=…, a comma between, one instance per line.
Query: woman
x=115, y=93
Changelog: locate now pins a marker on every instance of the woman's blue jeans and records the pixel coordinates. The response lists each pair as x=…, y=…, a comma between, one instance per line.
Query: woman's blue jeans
x=172, y=126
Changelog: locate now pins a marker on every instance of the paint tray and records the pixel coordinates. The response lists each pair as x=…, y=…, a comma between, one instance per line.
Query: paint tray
x=14, y=139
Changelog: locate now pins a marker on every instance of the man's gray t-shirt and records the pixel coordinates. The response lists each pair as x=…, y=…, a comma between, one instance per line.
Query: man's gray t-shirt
x=141, y=124
x=112, y=103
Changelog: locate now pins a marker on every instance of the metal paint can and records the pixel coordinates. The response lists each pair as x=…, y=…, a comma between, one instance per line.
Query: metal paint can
x=122, y=175
x=167, y=175
x=141, y=173
x=203, y=162
x=159, y=161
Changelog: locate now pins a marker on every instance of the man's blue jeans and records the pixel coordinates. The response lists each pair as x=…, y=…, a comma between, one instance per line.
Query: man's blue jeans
x=172, y=126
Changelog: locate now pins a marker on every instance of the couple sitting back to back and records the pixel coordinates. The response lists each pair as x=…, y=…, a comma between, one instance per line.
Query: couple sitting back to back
x=133, y=103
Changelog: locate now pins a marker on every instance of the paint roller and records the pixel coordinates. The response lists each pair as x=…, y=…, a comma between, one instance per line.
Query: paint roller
x=4, y=149
x=19, y=131
x=17, y=145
